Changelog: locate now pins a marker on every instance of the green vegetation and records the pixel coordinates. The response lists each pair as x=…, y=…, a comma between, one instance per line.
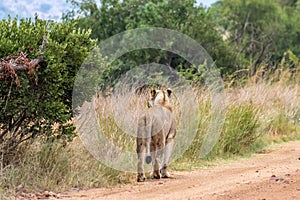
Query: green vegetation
x=240, y=35
x=257, y=115
x=38, y=103
x=255, y=44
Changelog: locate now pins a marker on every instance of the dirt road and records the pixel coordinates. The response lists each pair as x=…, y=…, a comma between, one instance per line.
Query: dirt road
x=272, y=174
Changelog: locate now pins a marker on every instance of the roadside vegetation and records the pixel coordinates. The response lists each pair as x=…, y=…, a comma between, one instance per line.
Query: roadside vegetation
x=255, y=45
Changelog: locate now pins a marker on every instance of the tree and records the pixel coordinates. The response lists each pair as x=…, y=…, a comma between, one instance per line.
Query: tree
x=39, y=103
x=260, y=30
x=111, y=17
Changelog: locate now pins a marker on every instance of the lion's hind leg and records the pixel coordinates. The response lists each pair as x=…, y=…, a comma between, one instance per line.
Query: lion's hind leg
x=155, y=173
x=141, y=148
x=141, y=152
x=167, y=154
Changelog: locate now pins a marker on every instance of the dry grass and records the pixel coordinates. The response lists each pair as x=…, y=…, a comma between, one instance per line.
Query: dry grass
x=275, y=102
x=53, y=167
x=256, y=115
x=256, y=112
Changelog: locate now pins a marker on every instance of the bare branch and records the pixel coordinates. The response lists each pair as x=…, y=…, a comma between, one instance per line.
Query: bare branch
x=11, y=65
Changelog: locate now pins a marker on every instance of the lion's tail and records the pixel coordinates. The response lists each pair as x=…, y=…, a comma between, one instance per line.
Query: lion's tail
x=144, y=138
x=148, y=156
x=148, y=141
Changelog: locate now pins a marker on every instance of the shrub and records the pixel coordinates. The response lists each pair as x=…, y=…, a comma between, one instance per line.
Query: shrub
x=38, y=102
x=240, y=129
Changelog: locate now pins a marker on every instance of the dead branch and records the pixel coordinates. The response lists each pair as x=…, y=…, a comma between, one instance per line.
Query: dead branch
x=11, y=64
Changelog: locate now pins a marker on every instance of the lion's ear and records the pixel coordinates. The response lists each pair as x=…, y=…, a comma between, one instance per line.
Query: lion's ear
x=152, y=92
x=169, y=92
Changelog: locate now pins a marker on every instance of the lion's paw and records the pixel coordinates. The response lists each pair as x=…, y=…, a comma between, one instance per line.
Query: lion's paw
x=165, y=174
x=155, y=174
x=141, y=178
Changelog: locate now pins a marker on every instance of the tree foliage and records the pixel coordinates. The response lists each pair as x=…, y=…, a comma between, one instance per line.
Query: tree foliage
x=111, y=17
x=260, y=30
x=40, y=104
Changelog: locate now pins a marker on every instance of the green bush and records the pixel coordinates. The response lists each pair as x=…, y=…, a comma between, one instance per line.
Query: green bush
x=240, y=129
x=239, y=132
x=41, y=103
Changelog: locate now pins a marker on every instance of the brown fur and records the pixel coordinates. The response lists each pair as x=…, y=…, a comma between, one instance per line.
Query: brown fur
x=155, y=134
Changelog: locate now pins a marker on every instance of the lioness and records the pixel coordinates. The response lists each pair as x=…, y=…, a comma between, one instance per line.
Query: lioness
x=155, y=135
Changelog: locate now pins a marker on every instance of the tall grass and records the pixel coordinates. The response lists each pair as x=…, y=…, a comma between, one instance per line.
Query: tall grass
x=239, y=130
x=258, y=113
x=53, y=167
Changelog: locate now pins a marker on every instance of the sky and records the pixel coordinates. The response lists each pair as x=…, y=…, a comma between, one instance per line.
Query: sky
x=206, y=3
x=45, y=9
x=27, y=8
